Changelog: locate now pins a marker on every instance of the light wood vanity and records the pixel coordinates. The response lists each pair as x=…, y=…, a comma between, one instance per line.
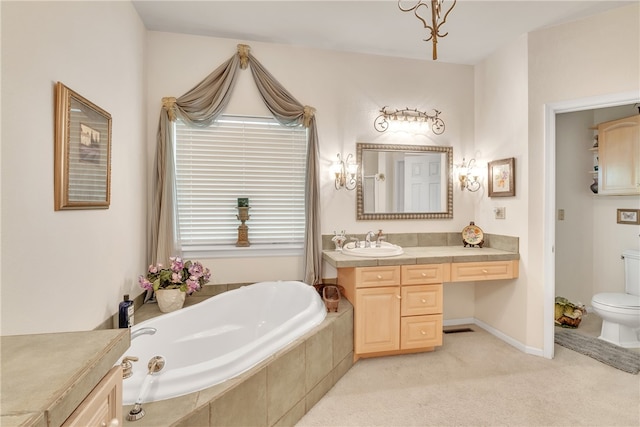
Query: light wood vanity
x=398, y=307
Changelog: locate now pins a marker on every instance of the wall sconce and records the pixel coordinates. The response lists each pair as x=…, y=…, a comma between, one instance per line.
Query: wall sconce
x=468, y=175
x=381, y=123
x=345, y=171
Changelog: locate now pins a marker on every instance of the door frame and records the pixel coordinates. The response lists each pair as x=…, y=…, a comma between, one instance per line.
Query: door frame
x=550, y=111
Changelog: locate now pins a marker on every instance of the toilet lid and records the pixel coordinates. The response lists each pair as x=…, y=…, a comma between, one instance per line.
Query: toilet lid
x=617, y=299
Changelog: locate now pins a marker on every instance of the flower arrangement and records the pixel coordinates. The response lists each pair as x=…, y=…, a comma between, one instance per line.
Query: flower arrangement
x=187, y=276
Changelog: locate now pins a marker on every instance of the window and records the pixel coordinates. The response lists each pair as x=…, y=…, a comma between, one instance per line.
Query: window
x=238, y=157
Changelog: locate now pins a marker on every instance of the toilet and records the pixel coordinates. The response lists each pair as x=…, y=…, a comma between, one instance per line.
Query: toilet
x=620, y=312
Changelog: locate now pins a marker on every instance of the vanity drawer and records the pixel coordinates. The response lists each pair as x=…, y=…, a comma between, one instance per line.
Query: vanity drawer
x=421, y=274
x=489, y=270
x=420, y=331
x=422, y=299
x=367, y=277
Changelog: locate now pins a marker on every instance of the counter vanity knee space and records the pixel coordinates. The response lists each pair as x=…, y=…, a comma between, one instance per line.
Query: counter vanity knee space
x=398, y=300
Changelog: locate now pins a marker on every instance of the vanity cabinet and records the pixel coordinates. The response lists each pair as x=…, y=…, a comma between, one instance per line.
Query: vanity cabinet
x=397, y=309
x=102, y=406
x=619, y=156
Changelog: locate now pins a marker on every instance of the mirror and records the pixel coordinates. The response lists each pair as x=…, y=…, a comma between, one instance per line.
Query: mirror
x=404, y=182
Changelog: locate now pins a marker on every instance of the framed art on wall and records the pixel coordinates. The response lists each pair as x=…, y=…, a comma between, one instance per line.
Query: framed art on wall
x=82, y=152
x=502, y=180
x=628, y=216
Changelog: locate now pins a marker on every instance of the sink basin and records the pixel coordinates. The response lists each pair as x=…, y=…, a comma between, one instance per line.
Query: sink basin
x=386, y=249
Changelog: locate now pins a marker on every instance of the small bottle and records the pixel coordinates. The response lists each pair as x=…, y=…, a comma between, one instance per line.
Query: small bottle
x=125, y=313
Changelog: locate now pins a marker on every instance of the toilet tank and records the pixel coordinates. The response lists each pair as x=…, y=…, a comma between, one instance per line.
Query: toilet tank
x=631, y=272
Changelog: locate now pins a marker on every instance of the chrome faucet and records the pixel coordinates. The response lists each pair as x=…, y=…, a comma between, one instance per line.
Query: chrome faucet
x=356, y=240
x=143, y=331
x=367, y=239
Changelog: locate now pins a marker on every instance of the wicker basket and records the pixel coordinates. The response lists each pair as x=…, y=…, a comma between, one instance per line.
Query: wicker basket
x=331, y=297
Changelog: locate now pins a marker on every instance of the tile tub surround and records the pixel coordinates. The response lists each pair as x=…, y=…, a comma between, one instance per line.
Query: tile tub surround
x=271, y=393
x=46, y=376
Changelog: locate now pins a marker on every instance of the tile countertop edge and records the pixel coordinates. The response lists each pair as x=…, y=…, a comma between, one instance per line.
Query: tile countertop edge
x=421, y=255
x=68, y=391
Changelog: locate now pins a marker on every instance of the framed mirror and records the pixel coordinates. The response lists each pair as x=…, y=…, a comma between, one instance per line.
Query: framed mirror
x=404, y=182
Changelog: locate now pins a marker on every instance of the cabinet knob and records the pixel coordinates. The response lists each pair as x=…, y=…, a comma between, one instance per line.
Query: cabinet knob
x=485, y=271
x=424, y=301
x=398, y=296
x=379, y=277
x=424, y=274
x=423, y=332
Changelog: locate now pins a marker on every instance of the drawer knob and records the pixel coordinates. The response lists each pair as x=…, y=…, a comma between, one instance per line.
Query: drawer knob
x=424, y=274
x=379, y=277
x=424, y=301
x=423, y=332
x=484, y=271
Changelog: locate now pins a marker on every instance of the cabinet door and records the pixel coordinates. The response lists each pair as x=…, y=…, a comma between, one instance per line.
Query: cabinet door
x=102, y=405
x=377, y=319
x=619, y=152
x=421, y=299
x=421, y=331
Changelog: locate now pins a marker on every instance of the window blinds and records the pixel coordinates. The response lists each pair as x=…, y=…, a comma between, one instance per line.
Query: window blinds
x=237, y=157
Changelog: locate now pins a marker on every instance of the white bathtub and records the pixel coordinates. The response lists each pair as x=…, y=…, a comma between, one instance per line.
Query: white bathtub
x=221, y=337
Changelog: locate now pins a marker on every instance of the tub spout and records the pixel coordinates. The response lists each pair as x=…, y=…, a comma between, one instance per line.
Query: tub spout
x=143, y=331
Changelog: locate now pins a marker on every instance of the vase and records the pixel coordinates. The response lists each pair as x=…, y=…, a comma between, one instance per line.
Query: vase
x=594, y=186
x=170, y=299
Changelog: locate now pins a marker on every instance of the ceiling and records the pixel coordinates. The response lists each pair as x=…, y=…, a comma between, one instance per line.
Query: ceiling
x=476, y=28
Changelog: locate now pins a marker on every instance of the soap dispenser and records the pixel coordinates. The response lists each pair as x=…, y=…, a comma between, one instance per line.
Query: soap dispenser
x=125, y=313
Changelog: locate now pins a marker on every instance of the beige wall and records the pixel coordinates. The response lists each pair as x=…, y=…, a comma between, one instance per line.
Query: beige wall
x=596, y=56
x=68, y=270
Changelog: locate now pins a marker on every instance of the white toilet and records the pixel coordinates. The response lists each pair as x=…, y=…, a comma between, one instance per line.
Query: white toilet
x=620, y=312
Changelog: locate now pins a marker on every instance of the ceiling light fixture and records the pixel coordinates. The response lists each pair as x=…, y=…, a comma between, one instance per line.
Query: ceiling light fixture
x=381, y=123
x=436, y=13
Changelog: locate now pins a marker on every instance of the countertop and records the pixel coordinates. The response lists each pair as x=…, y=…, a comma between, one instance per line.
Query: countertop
x=422, y=255
x=46, y=376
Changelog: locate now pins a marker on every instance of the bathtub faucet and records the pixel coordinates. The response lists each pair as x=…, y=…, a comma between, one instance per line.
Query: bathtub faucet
x=143, y=331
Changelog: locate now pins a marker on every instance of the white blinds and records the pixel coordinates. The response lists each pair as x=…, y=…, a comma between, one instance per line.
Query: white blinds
x=256, y=158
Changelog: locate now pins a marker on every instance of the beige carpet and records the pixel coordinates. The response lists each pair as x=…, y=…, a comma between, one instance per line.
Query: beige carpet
x=475, y=379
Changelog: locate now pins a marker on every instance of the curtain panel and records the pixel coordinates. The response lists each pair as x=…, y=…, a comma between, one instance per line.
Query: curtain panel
x=200, y=106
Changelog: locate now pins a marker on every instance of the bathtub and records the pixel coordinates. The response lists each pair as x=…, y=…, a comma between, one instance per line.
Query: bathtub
x=221, y=337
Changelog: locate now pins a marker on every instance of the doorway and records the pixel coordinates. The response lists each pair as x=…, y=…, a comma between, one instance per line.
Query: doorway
x=551, y=110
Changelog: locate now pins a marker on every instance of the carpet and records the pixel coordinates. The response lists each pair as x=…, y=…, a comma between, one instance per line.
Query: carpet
x=612, y=355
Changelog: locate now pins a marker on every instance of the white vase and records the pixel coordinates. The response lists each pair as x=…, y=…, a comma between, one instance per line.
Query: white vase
x=170, y=299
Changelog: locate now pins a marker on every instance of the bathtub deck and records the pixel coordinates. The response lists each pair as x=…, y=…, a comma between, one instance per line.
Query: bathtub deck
x=270, y=393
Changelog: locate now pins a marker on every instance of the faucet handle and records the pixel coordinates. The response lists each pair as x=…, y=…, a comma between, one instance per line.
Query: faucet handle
x=127, y=367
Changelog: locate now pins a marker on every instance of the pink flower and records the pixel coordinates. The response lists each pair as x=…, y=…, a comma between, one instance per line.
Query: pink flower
x=176, y=277
x=144, y=283
x=176, y=264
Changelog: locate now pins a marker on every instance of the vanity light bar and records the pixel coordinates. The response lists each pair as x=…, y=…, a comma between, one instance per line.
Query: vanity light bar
x=381, y=123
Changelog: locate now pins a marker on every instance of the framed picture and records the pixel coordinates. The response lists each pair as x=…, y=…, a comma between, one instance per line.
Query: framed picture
x=502, y=178
x=82, y=152
x=628, y=216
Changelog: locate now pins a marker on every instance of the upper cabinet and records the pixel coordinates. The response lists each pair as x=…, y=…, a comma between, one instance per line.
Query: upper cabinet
x=619, y=156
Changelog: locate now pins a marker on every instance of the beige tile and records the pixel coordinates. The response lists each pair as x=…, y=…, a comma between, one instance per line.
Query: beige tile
x=284, y=388
x=244, y=405
x=319, y=356
x=432, y=239
x=198, y=418
x=342, y=335
x=318, y=391
x=342, y=367
x=292, y=416
x=403, y=239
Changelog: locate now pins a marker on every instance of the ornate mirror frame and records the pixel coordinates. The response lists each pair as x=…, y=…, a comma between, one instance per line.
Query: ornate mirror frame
x=361, y=215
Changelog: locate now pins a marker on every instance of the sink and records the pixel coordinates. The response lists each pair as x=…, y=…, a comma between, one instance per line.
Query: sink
x=386, y=249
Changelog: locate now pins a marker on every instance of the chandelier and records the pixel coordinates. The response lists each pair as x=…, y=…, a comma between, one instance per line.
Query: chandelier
x=436, y=22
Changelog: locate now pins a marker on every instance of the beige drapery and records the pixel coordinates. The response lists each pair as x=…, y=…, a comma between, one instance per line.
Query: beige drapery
x=200, y=106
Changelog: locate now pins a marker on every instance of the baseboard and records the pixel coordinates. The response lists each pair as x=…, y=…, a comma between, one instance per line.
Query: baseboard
x=496, y=333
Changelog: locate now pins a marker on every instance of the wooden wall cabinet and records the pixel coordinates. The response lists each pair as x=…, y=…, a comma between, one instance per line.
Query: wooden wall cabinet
x=102, y=405
x=619, y=156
